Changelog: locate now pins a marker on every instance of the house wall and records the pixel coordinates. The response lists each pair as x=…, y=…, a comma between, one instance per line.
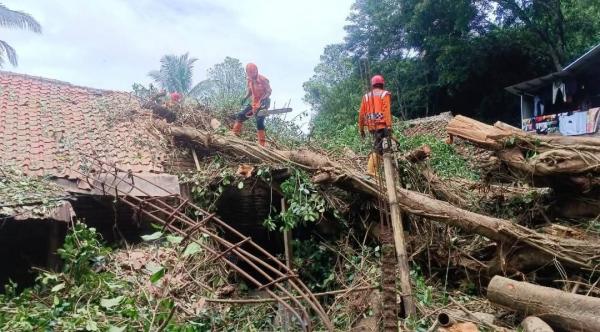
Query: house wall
x=27, y=244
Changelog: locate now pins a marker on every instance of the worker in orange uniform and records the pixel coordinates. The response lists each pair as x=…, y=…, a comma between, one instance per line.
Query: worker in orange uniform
x=259, y=89
x=375, y=114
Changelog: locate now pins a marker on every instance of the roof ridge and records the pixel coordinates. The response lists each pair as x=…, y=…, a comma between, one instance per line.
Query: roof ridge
x=55, y=81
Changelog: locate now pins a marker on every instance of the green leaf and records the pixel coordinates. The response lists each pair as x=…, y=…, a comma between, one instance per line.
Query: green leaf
x=91, y=325
x=58, y=287
x=109, y=303
x=174, y=239
x=113, y=328
x=153, y=267
x=156, y=276
x=191, y=249
x=152, y=236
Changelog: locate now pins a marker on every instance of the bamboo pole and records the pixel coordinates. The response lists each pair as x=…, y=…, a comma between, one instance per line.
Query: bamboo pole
x=390, y=181
x=287, y=240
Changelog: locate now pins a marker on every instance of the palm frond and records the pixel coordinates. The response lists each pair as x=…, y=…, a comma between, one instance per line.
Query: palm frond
x=17, y=19
x=9, y=52
x=175, y=73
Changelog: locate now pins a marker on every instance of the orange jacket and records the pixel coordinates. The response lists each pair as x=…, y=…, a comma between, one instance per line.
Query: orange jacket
x=260, y=89
x=375, y=110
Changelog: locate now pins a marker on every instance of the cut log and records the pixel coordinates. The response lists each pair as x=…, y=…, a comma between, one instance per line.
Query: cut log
x=569, y=251
x=535, y=324
x=537, y=158
x=561, y=310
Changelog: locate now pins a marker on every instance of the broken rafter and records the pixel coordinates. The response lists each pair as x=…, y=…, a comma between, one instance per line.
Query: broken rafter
x=156, y=210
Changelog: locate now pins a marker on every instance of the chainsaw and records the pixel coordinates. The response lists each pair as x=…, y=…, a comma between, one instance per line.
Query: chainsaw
x=274, y=111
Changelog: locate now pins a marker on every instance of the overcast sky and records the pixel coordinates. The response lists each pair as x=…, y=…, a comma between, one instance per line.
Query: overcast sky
x=111, y=44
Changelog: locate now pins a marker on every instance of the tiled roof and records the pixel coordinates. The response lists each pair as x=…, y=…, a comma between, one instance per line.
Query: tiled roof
x=47, y=125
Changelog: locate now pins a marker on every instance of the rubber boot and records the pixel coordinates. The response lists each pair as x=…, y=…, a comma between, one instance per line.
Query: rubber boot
x=237, y=128
x=371, y=169
x=262, y=140
x=373, y=164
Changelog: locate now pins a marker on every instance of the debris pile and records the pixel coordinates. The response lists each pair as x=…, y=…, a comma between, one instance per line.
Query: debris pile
x=462, y=234
x=501, y=230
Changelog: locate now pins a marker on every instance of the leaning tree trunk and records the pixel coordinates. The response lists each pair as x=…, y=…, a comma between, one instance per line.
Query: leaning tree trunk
x=561, y=310
x=569, y=251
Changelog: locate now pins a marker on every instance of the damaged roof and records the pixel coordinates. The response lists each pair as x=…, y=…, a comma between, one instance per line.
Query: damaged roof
x=587, y=66
x=25, y=197
x=46, y=126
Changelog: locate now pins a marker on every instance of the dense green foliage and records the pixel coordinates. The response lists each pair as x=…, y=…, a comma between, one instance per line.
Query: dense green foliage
x=70, y=301
x=444, y=160
x=305, y=203
x=448, y=55
x=88, y=296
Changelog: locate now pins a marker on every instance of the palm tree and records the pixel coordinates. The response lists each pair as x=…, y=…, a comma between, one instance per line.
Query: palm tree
x=19, y=20
x=175, y=73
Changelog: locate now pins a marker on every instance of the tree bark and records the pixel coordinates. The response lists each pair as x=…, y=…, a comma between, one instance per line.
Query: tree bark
x=561, y=310
x=535, y=324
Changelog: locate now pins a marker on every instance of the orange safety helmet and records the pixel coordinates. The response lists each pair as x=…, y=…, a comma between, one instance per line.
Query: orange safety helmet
x=252, y=71
x=176, y=97
x=377, y=79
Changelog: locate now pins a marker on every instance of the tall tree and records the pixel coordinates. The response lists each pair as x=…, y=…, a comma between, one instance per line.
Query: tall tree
x=175, y=73
x=225, y=85
x=545, y=19
x=450, y=55
x=19, y=20
x=564, y=28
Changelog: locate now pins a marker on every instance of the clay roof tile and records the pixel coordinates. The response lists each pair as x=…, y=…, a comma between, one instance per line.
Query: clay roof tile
x=44, y=123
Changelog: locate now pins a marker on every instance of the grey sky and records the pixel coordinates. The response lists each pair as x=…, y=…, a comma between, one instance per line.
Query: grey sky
x=110, y=44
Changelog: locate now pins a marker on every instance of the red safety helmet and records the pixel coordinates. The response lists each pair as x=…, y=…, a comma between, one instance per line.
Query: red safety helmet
x=377, y=79
x=251, y=71
x=176, y=97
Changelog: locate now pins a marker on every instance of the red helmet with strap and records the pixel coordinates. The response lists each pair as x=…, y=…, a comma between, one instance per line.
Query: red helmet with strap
x=377, y=79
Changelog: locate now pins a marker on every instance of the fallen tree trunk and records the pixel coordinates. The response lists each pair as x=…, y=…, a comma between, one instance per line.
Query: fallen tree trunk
x=569, y=251
x=538, y=158
x=561, y=310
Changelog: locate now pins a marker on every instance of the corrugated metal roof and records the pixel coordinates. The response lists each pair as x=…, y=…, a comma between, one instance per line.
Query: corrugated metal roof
x=589, y=60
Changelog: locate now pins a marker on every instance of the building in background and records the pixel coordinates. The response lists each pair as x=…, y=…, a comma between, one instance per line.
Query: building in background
x=566, y=102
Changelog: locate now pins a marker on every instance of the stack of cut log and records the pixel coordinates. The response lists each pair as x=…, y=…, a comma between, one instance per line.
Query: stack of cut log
x=560, y=162
x=569, y=165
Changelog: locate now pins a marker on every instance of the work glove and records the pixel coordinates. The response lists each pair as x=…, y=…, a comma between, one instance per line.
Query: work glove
x=264, y=104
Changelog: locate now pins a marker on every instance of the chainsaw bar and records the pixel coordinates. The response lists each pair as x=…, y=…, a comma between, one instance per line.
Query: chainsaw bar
x=274, y=111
